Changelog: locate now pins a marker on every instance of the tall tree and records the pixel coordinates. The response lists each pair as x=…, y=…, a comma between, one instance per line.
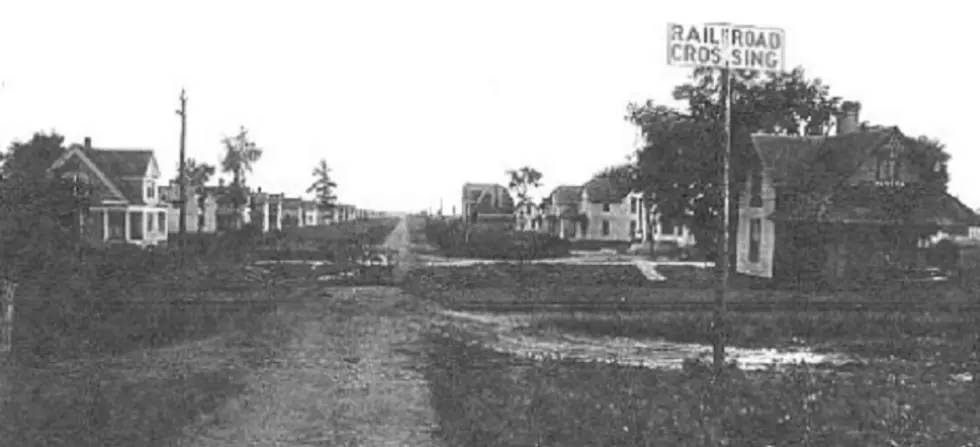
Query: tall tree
x=523, y=181
x=323, y=186
x=679, y=165
x=240, y=154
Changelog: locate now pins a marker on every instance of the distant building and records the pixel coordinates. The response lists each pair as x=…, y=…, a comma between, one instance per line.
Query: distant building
x=486, y=201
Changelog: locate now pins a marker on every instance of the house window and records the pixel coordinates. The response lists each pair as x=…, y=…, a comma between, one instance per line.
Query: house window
x=605, y=207
x=633, y=205
x=136, y=226
x=162, y=221
x=887, y=167
x=605, y=228
x=632, y=228
x=150, y=191
x=755, y=239
x=200, y=220
x=149, y=223
x=756, y=189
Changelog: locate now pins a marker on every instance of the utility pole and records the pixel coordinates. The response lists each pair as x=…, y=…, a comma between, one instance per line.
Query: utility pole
x=182, y=175
x=721, y=292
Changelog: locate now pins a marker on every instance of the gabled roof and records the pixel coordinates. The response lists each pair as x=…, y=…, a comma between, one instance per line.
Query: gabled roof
x=791, y=159
x=472, y=192
x=831, y=161
x=566, y=195
x=117, y=168
x=605, y=190
x=482, y=195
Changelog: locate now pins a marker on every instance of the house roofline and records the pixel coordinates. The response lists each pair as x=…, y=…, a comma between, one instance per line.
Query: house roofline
x=88, y=162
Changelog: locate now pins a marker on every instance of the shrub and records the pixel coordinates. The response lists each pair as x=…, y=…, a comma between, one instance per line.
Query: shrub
x=490, y=242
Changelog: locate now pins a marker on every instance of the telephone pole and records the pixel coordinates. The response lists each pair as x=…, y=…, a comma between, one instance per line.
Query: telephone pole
x=182, y=175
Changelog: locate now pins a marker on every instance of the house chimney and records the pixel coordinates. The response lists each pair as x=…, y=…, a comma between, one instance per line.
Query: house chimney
x=88, y=143
x=848, y=120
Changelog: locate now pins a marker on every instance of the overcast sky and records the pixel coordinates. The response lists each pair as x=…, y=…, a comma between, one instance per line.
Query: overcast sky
x=408, y=99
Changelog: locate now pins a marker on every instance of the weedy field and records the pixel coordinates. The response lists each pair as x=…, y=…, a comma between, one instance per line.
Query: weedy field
x=910, y=390
x=486, y=398
x=141, y=346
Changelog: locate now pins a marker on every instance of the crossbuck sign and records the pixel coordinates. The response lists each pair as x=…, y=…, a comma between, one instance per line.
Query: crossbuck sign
x=723, y=45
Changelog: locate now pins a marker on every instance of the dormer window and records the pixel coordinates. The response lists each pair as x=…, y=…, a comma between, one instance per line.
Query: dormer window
x=887, y=167
x=150, y=190
x=605, y=207
x=755, y=189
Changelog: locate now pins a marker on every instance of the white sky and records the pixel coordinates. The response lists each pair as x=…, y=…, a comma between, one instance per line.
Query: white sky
x=409, y=99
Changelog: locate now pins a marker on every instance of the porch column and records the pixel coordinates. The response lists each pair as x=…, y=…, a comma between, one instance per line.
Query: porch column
x=643, y=221
x=126, y=230
x=561, y=227
x=105, y=225
x=265, y=217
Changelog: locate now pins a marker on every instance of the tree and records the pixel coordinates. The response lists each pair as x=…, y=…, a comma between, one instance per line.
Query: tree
x=38, y=212
x=198, y=174
x=241, y=153
x=679, y=167
x=323, y=186
x=522, y=183
x=621, y=175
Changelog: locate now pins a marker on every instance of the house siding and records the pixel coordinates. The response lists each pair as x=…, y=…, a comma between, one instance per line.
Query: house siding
x=767, y=244
x=618, y=216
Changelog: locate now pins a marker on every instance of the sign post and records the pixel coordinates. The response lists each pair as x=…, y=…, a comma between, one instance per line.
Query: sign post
x=726, y=47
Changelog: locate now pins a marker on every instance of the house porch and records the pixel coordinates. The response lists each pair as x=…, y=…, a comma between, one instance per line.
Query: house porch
x=140, y=225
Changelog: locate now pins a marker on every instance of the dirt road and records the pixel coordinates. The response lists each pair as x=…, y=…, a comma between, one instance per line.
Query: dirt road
x=348, y=378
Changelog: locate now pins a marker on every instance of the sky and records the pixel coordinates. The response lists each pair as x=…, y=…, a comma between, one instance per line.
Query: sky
x=407, y=100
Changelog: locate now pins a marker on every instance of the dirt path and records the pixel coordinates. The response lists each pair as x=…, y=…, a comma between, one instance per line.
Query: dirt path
x=348, y=378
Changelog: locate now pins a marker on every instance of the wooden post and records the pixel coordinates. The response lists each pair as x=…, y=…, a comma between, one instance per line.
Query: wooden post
x=182, y=175
x=721, y=291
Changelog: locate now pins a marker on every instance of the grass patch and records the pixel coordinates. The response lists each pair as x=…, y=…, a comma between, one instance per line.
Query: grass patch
x=140, y=399
x=556, y=283
x=485, y=398
x=942, y=337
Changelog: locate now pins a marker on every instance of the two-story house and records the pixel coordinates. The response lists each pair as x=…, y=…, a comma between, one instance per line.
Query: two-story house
x=529, y=217
x=487, y=202
x=126, y=208
x=266, y=210
x=562, y=214
x=602, y=211
x=817, y=207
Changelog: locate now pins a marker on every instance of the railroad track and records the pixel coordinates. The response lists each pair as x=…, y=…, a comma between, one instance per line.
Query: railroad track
x=741, y=307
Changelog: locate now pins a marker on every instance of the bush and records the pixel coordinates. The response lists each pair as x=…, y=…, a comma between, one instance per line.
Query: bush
x=489, y=242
